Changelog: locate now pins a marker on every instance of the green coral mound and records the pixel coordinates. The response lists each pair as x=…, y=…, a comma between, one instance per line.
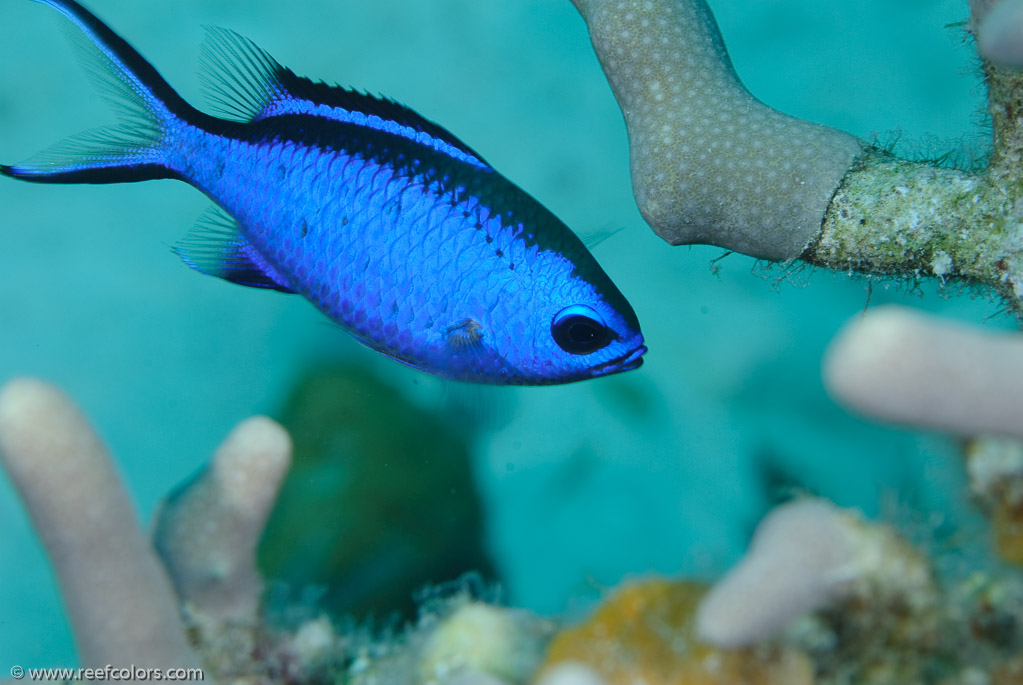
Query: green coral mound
x=380, y=500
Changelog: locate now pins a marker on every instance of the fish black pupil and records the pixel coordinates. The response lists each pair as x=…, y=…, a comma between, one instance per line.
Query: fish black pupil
x=579, y=334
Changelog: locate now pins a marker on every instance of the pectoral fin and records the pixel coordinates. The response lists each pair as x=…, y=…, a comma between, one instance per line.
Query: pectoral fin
x=216, y=247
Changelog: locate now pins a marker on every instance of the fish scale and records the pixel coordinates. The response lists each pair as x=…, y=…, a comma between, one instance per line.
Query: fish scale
x=385, y=221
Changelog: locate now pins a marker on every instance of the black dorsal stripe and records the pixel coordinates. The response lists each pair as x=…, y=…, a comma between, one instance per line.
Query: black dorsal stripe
x=320, y=93
x=247, y=84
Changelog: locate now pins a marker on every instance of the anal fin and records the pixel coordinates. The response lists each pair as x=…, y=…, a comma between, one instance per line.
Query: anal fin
x=217, y=248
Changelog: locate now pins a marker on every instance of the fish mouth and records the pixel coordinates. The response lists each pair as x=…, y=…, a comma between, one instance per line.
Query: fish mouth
x=626, y=362
x=634, y=359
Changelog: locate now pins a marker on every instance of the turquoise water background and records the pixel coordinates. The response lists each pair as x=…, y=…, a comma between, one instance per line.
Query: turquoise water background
x=655, y=470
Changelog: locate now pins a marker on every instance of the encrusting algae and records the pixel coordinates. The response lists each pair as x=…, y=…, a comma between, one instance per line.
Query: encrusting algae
x=645, y=633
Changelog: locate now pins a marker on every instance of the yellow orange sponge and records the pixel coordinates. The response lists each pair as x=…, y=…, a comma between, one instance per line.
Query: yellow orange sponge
x=645, y=633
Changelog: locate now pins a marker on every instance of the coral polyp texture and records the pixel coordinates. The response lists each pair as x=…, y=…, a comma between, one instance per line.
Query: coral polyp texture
x=823, y=595
x=711, y=164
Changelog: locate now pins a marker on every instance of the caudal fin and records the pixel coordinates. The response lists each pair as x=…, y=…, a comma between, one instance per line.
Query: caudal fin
x=148, y=107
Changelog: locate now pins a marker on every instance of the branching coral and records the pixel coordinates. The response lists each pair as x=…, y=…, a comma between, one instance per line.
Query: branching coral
x=863, y=603
x=120, y=596
x=906, y=367
x=199, y=600
x=712, y=164
x=120, y=603
x=809, y=555
x=207, y=531
x=879, y=215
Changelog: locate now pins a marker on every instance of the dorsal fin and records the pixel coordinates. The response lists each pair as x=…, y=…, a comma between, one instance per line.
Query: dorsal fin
x=247, y=84
x=239, y=77
x=216, y=247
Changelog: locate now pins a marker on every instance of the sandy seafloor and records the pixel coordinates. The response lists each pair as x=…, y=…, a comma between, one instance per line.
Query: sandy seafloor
x=579, y=491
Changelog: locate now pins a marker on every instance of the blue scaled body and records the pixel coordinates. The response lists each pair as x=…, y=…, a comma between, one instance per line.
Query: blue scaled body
x=385, y=221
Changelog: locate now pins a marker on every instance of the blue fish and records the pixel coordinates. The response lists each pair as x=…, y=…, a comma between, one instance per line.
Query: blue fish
x=385, y=221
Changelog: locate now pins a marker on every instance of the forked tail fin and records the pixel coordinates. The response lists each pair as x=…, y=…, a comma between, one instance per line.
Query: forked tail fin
x=149, y=109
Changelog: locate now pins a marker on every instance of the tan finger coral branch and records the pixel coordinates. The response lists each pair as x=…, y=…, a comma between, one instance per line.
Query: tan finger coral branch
x=904, y=366
x=802, y=558
x=809, y=555
x=1000, y=34
x=710, y=162
x=207, y=531
x=120, y=603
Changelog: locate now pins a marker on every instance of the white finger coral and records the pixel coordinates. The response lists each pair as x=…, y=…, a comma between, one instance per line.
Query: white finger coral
x=1000, y=34
x=118, y=598
x=901, y=365
x=124, y=602
x=207, y=531
x=801, y=558
x=809, y=555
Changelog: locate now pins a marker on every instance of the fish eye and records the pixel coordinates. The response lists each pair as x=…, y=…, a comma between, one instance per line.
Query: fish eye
x=579, y=330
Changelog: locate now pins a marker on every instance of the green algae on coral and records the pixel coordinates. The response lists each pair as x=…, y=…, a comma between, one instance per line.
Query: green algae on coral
x=900, y=218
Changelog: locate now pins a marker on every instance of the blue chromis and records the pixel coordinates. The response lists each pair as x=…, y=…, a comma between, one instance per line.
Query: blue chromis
x=389, y=224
